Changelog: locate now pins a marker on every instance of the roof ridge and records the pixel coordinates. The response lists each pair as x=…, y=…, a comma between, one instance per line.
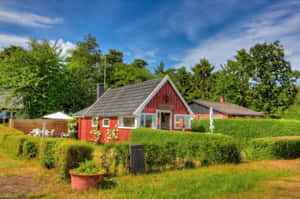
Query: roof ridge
x=137, y=84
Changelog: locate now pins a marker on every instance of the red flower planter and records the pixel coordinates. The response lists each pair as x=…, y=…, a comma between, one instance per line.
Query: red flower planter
x=84, y=182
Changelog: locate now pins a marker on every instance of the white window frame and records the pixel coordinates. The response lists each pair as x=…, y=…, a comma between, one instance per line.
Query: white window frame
x=188, y=119
x=105, y=126
x=144, y=114
x=94, y=118
x=123, y=127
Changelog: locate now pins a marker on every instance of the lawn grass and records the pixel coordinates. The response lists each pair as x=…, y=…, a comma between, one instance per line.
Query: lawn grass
x=245, y=180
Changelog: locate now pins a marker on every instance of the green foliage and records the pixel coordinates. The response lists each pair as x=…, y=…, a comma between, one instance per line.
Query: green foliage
x=246, y=129
x=69, y=154
x=47, y=150
x=72, y=128
x=30, y=147
x=14, y=145
x=87, y=167
x=114, y=158
x=174, y=148
x=34, y=76
x=274, y=148
x=202, y=79
x=260, y=79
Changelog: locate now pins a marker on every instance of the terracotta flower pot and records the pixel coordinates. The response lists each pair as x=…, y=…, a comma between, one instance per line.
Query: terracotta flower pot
x=84, y=182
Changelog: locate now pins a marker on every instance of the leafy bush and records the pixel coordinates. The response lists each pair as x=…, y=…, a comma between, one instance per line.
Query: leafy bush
x=47, y=149
x=14, y=145
x=177, y=148
x=3, y=137
x=30, y=147
x=72, y=128
x=88, y=167
x=246, y=129
x=69, y=154
x=114, y=158
x=274, y=148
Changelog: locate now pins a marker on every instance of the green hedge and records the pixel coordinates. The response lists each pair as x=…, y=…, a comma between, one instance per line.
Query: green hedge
x=246, y=129
x=175, y=148
x=115, y=158
x=69, y=154
x=20, y=146
x=274, y=148
x=3, y=137
x=30, y=147
x=47, y=149
x=14, y=145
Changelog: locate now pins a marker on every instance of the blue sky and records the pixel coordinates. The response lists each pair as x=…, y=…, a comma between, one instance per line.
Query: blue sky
x=177, y=32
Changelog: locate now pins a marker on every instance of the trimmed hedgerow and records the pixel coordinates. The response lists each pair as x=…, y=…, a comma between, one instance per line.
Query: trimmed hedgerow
x=47, y=149
x=247, y=129
x=69, y=154
x=14, y=145
x=175, y=148
x=3, y=137
x=30, y=147
x=115, y=158
x=274, y=148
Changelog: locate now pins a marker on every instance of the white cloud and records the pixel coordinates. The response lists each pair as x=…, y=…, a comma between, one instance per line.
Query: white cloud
x=7, y=40
x=277, y=23
x=28, y=19
x=65, y=46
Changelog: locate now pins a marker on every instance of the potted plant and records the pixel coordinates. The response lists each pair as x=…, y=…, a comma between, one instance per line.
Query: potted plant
x=86, y=176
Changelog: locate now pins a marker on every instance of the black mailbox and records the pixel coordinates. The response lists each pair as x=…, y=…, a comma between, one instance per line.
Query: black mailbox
x=136, y=158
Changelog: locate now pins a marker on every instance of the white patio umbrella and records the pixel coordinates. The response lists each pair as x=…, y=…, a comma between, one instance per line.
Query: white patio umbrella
x=58, y=116
x=211, y=120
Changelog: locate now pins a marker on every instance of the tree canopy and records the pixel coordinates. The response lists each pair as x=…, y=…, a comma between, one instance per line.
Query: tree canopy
x=259, y=78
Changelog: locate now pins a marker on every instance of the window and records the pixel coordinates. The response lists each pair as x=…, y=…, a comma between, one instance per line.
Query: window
x=95, y=121
x=182, y=121
x=105, y=123
x=148, y=121
x=127, y=122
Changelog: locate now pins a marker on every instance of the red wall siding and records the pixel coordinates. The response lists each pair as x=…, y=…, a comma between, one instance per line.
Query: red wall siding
x=85, y=127
x=160, y=99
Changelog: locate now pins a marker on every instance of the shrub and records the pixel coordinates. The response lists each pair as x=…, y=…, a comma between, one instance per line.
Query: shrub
x=114, y=158
x=14, y=145
x=176, y=148
x=69, y=154
x=246, y=129
x=3, y=137
x=72, y=128
x=47, y=149
x=30, y=147
x=274, y=148
x=88, y=167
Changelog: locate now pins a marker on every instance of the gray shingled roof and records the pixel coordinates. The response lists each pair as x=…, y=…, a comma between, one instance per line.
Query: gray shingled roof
x=228, y=108
x=120, y=101
x=12, y=103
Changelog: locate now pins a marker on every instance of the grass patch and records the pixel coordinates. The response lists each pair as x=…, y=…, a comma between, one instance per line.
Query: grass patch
x=200, y=183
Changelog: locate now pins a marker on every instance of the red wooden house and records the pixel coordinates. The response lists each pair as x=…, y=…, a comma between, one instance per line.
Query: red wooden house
x=153, y=104
x=221, y=110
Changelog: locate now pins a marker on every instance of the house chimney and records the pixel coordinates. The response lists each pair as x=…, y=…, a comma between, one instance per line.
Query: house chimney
x=222, y=100
x=100, y=90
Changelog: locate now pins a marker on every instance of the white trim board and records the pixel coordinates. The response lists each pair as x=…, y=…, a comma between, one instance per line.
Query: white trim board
x=156, y=90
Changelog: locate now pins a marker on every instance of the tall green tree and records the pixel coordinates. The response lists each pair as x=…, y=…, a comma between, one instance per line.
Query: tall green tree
x=82, y=73
x=34, y=76
x=160, y=71
x=202, y=79
x=273, y=79
x=183, y=81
